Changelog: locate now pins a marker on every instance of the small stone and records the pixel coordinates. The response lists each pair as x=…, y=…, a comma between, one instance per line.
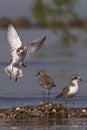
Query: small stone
x=17, y=108
x=84, y=111
x=41, y=103
x=54, y=110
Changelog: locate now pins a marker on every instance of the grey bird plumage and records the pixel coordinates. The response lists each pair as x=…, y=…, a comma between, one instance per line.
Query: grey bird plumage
x=45, y=81
x=18, y=51
x=71, y=89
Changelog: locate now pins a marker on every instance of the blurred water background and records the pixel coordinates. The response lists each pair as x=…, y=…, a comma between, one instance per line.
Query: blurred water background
x=59, y=59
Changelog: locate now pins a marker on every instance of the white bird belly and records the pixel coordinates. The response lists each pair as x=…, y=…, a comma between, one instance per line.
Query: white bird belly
x=72, y=91
x=17, y=60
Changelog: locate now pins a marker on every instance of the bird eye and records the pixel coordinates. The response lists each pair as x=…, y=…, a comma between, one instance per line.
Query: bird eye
x=76, y=77
x=38, y=73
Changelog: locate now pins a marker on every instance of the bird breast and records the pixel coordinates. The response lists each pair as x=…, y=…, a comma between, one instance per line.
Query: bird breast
x=17, y=60
x=73, y=90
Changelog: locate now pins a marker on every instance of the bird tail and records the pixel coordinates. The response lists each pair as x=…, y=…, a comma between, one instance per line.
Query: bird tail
x=58, y=96
x=13, y=71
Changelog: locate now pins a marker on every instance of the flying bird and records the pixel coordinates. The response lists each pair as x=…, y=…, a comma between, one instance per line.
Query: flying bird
x=45, y=81
x=18, y=52
x=71, y=89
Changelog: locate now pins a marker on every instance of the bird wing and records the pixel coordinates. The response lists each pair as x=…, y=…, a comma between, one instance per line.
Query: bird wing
x=63, y=93
x=35, y=45
x=65, y=90
x=47, y=81
x=13, y=39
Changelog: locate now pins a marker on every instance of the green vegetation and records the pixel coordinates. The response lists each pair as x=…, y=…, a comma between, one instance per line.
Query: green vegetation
x=55, y=11
x=55, y=14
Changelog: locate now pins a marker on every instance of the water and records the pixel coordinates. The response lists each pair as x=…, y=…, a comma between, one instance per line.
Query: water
x=46, y=124
x=60, y=61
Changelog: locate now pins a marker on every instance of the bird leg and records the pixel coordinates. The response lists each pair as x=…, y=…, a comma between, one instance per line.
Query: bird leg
x=43, y=95
x=73, y=102
x=16, y=79
x=23, y=65
x=73, y=111
x=10, y=77
x=11, y=74
x=66, y=102
x=48, y=95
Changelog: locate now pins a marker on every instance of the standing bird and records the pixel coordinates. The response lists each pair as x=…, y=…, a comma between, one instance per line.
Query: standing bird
x=45, y=82
x=19, y=52
x=71, y=89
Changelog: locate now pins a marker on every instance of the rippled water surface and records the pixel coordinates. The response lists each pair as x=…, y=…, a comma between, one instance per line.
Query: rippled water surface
x=46, y=124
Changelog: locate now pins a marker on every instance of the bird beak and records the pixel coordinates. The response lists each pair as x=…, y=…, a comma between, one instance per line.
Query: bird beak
x=37, y=74
x=81, y=79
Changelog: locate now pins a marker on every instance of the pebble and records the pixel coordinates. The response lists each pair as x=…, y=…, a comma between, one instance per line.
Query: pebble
x=42, y=110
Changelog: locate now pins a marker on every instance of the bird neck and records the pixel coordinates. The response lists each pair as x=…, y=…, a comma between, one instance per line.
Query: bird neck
x=74, y=83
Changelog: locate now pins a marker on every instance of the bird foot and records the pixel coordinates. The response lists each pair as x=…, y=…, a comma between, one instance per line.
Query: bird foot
x=23, y=65
x=10, y=77
x=16, y=79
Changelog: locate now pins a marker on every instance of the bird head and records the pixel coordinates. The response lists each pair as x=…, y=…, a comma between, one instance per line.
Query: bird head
x=20, y=51
x=76, y=77
x=41, y=73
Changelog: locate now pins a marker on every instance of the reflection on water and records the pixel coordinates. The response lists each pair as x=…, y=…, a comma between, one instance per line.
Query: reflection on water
x=46, y=124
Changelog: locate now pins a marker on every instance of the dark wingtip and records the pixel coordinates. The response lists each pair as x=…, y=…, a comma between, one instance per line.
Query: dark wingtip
x=54, y=85
x=23, y=65
x=44, y=38
x=58, y=96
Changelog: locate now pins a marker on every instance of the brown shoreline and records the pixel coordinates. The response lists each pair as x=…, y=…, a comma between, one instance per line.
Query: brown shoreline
x=42, y=110
x=24, y=22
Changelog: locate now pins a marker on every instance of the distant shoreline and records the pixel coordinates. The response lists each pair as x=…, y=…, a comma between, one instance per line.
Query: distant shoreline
x=24, y=22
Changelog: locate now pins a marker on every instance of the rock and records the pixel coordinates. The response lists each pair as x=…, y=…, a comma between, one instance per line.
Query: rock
x=41, y=103
x=42, y=110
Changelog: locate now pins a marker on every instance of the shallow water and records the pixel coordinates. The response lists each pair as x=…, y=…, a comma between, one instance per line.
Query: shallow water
x=60, y=61
x=46, y=124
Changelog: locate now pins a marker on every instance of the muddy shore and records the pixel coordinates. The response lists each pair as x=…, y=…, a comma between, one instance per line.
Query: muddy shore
x=42, y=110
